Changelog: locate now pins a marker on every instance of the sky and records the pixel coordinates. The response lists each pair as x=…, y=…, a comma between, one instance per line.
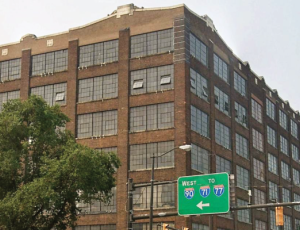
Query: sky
x=265, y=33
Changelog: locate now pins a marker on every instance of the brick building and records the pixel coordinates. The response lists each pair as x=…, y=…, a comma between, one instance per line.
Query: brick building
x=142, y=81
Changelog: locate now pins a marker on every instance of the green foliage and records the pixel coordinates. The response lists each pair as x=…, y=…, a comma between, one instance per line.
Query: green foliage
x=43, y=171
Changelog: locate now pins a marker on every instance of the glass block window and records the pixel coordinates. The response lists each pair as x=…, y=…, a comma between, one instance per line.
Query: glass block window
x=258, y=169
x=259, y=198
x=140, y=155
x=221, y=68
x=222, y=165
x=297, y=198
x=97, y=124
x=287, y=222
x=5, y=97
x=199, y=85
x=270, y=109
x=152, y=43
x=295, y=152
x=222, y=101
x=199, y=227
x=98, y=206
x=10, y=70
x=222, y=135
x=294, y=129
x=285, y=171
x=49, y=63
x=245, y=214
x=145, y=226
x=286, y=195
x=260, y=225
x=198, y=49
x=240, y=114
x=296, y=177
x=273, y=164
x=199, y=121
x=239, y=84
x=256, y=109
x=164, y=197
x=284, y=145
x=273, y=191
x=241, y=145
x=283, y=120
x=52, y=94
x=273, y=221
x=96, y=227
x=257, y=140
x=98, y=88
x=152, y=79
x=272, y=137
x=98, y=53
x=152, y=117
x=200, y=159
x=242, y=177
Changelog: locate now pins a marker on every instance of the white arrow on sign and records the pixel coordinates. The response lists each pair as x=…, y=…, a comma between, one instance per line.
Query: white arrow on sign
x=201, y=205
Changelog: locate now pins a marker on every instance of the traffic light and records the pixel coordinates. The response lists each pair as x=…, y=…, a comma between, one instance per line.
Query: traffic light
x=165, y=226
x=185, y=228
x=279, y=216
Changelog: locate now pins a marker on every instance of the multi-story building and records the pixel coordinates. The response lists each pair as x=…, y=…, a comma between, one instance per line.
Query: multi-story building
x=143, y=81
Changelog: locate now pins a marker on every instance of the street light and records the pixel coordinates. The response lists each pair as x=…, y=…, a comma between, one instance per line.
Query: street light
x=182, y=147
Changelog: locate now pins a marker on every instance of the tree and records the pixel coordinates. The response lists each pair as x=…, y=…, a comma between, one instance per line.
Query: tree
x=43, y=171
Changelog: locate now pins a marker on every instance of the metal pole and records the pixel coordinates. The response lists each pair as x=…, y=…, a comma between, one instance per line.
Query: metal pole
x=151, y=194
x=266, y=205
x=130, y=204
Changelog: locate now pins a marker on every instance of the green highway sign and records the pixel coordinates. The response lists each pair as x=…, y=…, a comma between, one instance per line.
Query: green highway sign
x=203, y=194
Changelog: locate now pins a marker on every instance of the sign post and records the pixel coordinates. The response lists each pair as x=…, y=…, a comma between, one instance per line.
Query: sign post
x=203, y=194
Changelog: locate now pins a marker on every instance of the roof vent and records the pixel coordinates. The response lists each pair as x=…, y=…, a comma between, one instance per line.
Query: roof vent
x=125, y=9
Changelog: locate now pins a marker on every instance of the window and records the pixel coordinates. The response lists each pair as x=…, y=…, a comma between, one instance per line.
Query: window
x=152, y=43
x=52, y=94
x=198, y=49
x=297, y=224
x=284, y=145
x=152, y=80
x=96, y=227
x=273, y=191
x=98, y=53
x=283, y=120
x=287, y=222
x=199, y=85
x=49, y=63
x=295, y=152
x=256, y=110
x=222, y=135
x=273, y=221
x=296, y=177
x=259, y=198
x=97, y=88
x=239, y=84
x=222, y=165
x=199, y=121
x=240, y=114
x=145, y=226
x=297, y=198
x=222, y=101
x=199, y=227
x=10, y=70
x=243, y=215
x=200, y=159
x=259, y=169
x=272, y=137
x=97, y=124
x=242, y=177
x=270, y=109
x=286, y=195
x=273, y=164
x=5, y=97
x=109, y=150
x=285, y=171
x=260, y=225
x=152, y=117
x=221, y=68
x=257, y=140
x=164, y=197
x=241, y=145
x=294, y=129
x=98, y=206
x=140, y=155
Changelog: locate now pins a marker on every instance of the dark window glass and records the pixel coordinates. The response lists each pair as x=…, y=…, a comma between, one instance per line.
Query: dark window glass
x=240, y=114
x=10, y=70
x=242, y=177
x=258, y=169
x=245, y=214
x=294, y=129
x=52, y=94
x=283, y=120
x=270, y=109
x=256, y=110
x=257, y=140
x=222, y=101
x=273, y=164
x=200, y=159
x=222, y=135
x=199, y=85
x=221, y=68
x=272, y=137
x=199, y=121
x=241, y=145
x=198, y=49
x=4, y=97
x=239, y=84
